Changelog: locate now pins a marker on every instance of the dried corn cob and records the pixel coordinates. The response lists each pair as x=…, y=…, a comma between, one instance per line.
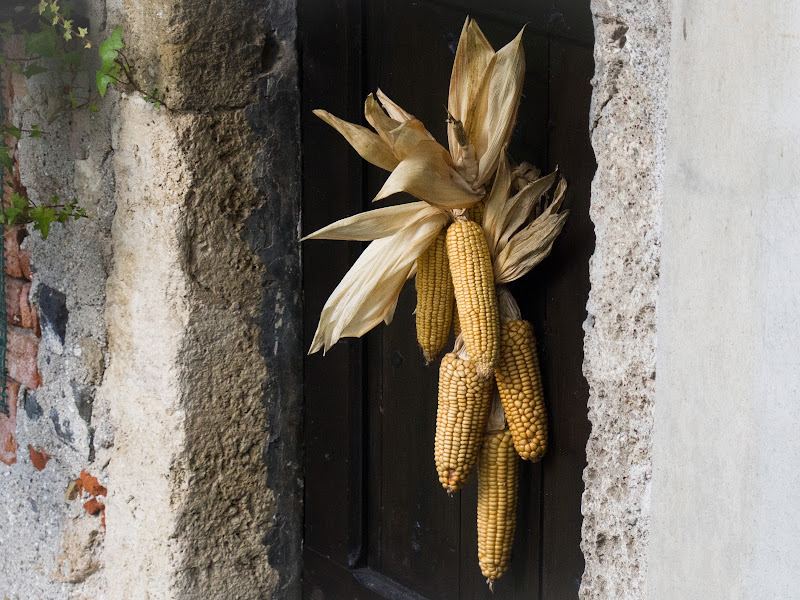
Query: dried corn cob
x=473, y=282
x=434, y=299
x=476, y=212
x=519, y=382
x=498, y=478
x=456, y=322
x=464, y=400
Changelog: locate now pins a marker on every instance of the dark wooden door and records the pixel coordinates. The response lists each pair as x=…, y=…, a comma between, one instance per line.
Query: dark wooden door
x=377, y=523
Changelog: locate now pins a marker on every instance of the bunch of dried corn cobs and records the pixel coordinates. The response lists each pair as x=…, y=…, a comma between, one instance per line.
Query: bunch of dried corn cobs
x=491, y=408
x=481, y=222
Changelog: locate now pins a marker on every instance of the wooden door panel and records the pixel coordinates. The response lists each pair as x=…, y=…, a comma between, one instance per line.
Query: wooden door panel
x=565, y=275
x=378, y=524
x=332, y=188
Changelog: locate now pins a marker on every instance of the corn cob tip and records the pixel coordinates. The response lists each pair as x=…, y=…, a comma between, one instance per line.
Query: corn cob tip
x=490, y=583
x=429, y=356
x=484, y=369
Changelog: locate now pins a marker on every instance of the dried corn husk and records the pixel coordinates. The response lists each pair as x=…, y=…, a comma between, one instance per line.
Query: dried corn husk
x=521, y=227
x=485, y=90
x=367, y=295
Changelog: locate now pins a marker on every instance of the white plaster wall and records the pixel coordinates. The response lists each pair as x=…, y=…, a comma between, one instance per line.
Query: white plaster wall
x=725, y=513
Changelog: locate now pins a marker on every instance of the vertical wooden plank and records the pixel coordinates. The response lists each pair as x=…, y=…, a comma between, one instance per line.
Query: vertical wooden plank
x=408, y=57
x=330, y=34
x=567, y=284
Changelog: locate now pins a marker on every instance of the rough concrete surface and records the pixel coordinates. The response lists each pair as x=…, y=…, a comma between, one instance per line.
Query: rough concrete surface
x=628, y=133
x=170, y=348
x=726, y=467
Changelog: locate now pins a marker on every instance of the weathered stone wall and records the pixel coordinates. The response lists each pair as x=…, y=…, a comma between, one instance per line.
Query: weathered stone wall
x=628, y=134
x=177, y=378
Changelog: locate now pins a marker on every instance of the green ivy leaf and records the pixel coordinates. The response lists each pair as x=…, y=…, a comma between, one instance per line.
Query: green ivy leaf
x=19, y=202
x=42, y=6
x=12, y=130
x=35, y=131
x=13, y=215
x=110, y=48
x=82, y=31
x=6, y=28
x=33, y=69
x=72, y=100
x=5, y=159
x=42, y=218
x=93, y=107
x=103, y=80
x=42, y=43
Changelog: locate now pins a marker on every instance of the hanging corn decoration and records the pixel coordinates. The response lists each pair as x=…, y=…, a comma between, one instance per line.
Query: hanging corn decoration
x=464, y=400
x=496, y=236
x=473, y=282
x=498, y=480
x=519, y=382
x=434, y=299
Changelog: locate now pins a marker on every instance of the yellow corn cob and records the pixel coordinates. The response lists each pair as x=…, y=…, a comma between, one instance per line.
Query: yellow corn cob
x=464, y=400
x=434, y=299
x=519, y=382
x=498, y=478
x=456, y=323
x=473, y=282
x=476, y=212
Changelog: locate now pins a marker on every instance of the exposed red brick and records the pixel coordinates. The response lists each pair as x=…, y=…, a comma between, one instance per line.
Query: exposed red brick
x=91, y=485
x=18, y=306
x=27, y=312
x=93, y=507
x=22, y=351
x=8, y=426
x=13, y=238
x=39, y=457
x=25, y=264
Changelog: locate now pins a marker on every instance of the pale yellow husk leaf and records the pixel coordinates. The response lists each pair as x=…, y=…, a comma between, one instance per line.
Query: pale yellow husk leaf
x=393, y=109
x=380, y=121
x=426, y=173
x=528, y=248
x=493, y=112
x=372, y=224
x=473, y=55
x=520, y=206
x=368, y=292
x=368, y=144
x=494, y=207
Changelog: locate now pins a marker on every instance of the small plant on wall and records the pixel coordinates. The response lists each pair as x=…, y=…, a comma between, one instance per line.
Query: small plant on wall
x=54, y=43
x=481, y=221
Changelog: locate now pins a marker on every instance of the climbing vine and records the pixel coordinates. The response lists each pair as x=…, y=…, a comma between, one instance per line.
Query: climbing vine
x=54, y=41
